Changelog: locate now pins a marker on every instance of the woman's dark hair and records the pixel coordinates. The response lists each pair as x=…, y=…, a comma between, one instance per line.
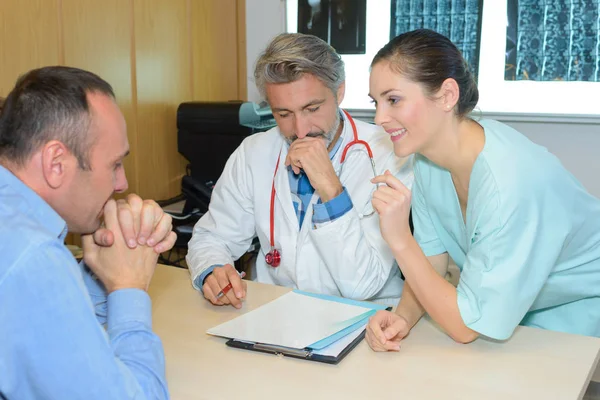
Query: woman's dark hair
x=428, y=58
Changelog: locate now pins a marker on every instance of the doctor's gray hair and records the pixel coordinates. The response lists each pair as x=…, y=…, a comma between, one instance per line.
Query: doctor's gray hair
x=291, y=55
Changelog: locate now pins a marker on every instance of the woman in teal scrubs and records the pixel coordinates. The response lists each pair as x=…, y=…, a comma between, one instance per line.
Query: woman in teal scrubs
x=523, y=231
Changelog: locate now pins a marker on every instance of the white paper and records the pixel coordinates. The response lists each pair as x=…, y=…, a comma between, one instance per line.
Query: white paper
x=337, y=347
x=293, y=320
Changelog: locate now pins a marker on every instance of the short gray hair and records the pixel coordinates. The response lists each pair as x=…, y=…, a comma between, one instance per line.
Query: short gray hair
x=291, y=55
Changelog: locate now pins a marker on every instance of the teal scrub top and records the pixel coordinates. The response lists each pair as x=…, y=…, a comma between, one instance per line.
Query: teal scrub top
x=529, y=252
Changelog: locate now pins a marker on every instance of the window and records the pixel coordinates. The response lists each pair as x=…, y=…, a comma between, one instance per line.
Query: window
x=340, y=23
x=552, y=40
x=497, y=95
x=552, y=96
x=357, y=65
x=460, y=21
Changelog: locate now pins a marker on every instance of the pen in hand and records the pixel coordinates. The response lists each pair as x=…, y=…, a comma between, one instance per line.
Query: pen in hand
x=227, y=288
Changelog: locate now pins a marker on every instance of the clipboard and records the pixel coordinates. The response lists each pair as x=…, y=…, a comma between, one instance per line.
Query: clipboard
x=303, y=354
x=280, y=327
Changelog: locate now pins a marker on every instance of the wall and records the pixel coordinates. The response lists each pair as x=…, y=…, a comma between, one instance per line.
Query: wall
x=264, y=20
x=575, y=141
x=155, y=53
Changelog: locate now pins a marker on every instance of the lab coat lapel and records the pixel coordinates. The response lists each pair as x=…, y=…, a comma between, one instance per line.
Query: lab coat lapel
x=307, y=224
x=283, y=191
x=346, y=136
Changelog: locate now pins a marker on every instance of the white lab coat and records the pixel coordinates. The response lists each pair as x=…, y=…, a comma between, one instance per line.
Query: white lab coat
x=346, y=257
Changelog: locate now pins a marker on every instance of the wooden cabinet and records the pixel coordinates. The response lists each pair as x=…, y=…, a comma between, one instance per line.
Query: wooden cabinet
x=155, y=53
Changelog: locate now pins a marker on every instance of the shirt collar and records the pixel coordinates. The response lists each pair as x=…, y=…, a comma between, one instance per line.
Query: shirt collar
x=30, y=203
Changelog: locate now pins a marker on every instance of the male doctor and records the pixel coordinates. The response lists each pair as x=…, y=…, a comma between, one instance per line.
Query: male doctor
x=288, y=186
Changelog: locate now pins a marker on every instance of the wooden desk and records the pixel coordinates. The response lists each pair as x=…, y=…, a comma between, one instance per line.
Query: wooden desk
x=534, y=364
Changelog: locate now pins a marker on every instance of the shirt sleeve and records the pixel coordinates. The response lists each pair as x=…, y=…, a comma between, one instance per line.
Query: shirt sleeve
x=332, y=209
x=53, y=343
x=514, y=247
x=199, y=281
x=424, y=232
x=227, y=230
x=96, y=291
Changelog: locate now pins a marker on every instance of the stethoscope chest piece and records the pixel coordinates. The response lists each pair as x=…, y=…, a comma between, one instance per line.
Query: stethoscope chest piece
x=273, y=258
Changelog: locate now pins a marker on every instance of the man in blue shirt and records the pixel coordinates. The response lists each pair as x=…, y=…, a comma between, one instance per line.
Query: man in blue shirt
x=62, y=143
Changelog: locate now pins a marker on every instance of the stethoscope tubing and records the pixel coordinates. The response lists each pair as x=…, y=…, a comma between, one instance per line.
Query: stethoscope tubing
x=273, y=257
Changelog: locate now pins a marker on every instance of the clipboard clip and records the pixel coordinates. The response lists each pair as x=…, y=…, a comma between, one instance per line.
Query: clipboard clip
x=280, y=350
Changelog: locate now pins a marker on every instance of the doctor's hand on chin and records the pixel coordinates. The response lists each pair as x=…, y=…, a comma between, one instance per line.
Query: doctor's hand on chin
x=219, y=279
x=310, y=155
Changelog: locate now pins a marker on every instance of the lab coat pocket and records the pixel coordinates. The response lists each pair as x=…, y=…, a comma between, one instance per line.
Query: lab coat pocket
x=284, y=274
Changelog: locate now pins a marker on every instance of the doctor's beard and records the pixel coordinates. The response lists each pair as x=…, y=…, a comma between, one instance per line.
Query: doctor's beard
x=327, y=136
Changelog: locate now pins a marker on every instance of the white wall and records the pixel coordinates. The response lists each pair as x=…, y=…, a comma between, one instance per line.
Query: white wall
x=576, y=141
x=264, y=20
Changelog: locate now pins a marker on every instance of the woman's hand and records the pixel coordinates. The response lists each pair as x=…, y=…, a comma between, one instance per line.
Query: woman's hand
x=385, y=331
x=392, y=202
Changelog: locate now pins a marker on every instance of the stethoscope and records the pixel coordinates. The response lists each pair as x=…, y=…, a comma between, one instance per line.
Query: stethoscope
x=273, y=257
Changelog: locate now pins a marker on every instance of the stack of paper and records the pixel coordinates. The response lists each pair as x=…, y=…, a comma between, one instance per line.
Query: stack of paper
x=299, y=320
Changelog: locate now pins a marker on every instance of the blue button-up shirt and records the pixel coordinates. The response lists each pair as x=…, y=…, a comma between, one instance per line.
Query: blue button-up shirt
x=52, y=343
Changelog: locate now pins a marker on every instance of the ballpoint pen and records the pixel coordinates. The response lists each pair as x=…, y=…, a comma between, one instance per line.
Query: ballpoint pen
x=227, y=288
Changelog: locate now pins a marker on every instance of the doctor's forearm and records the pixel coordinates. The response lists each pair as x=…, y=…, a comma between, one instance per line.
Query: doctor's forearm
x=329, y=192
x=204, y=252
x=436, y=295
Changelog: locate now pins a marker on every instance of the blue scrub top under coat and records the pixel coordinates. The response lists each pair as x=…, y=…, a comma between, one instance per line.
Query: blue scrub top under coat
x=529, y=251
